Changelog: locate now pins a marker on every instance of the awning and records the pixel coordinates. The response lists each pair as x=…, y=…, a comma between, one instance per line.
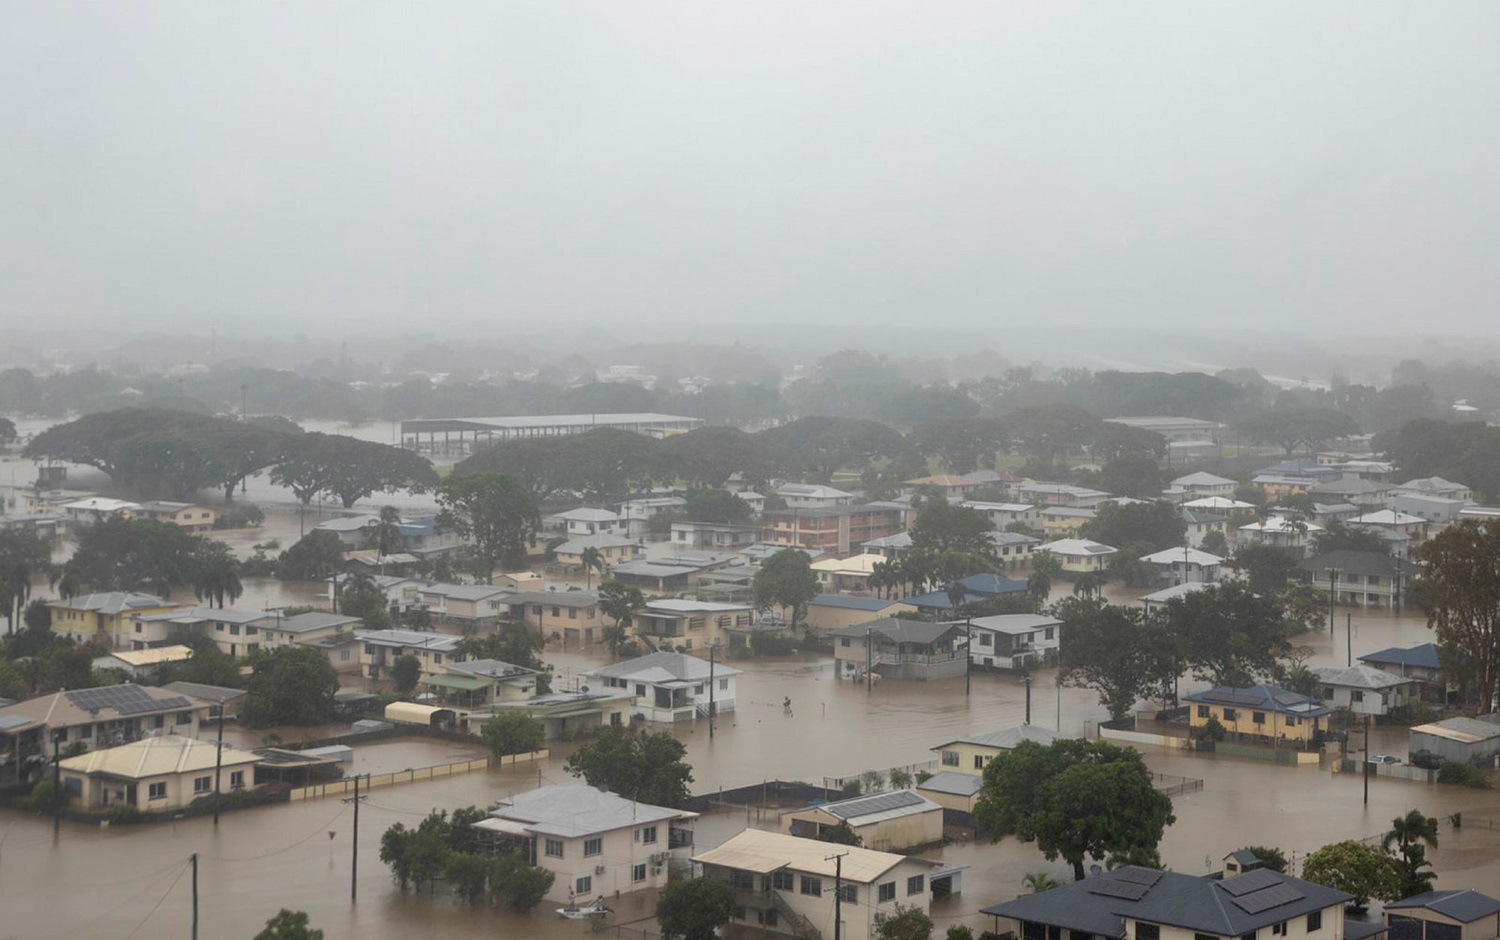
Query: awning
x=464, y=683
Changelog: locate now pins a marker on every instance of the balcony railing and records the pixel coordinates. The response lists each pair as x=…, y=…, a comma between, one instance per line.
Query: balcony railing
x=679, y=838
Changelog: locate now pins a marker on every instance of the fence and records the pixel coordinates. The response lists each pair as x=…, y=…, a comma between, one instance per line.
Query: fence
x=1172, y=784
x=412, y=775
x=837, y=784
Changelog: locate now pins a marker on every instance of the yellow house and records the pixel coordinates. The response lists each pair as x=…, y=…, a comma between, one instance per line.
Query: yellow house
x=573, y=615
x=155, y=774
x=846, y=574
x=689, y=626
x=612, y=549
x=106, y=617
x=1260, y=714
x=829, y=612
x=1062, y=521
x=189, y=516
x=885, y=822
x=970, y=755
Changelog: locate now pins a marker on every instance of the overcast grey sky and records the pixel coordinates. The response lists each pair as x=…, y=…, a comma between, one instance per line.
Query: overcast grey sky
x=318, y=166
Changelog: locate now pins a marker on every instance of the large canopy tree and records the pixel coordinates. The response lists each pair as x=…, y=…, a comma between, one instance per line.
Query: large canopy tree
x=639, y=765
x=494, y=510
x=1460, y=587
x=1117, y=651
x=786, y=580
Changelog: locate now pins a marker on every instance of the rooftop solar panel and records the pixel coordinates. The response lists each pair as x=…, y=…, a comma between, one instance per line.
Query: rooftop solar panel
x=1111, y=888
x=1250, y=881
x=125, y=699
x=1140, y=876
x=1267, y=898
x=876, y=804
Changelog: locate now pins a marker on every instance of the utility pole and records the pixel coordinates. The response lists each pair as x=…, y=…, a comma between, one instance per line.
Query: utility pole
x=57, y=793
x=1367, y=760
x=1349, y=637
x=218, y=763
x=1027, y=679
x=356, y=799
x=194, y=859
x=1333, y=593
x=838, y=893
x=869, y=662
x=968, y=650
x=713, y=648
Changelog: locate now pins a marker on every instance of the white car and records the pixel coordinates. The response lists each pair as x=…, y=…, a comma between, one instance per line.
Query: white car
x=1385, y=759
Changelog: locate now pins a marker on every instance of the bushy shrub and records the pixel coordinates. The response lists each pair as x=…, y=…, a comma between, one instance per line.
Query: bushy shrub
x=1464, y=775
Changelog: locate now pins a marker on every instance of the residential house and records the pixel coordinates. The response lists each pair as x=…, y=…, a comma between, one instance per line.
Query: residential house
x=671, y=687
x=104, y=717
x=1200, y=485
x=144, y=663
x=846, y=575
x=973, y=589
x=1061, y=521
x=235, y=632
x=897, y=821
x=1181, y=565
x=1462, y=740
x=1324, y=513
x=401, y=593
x=672, y=573
x=331, y=633
x=835, y=531
x=1012, y=548
x=970, y=755
x=1278, y=532
x=1364, y=690
x=44, y=524
x=1422, y=662
x=1014, y=642
x=1278, y=486
x=893, y=648
x=1362, y=493
x=687, y=625
x=714, y=535
x=1198, y=524
x=1078, y=556
x=783, y=884
x=476, y=683
x=189, y=516
x=564, y=715
x=756, y=501
x=1157, y=600
x=1221, y=505
x=1146, y=904
x=467, y=604
x=829, y=612
x=419, y=537
x=155, y=775
x=596, y=844
x=108, y=617
x=636, y=514
x=1415, y=528
x=573, y=616
x=613, y=550
x=585, y=521
x=379, y=650
x=1454, y=914
x=1437, y=510
x=952, y=790
x=82, y=512
x=1002, y=515
x=1360, y=579
x=1436, y=486
x=734, y=585
x=813, y=496
x=951, y=486
x=1260, y=714
x=1043, y=495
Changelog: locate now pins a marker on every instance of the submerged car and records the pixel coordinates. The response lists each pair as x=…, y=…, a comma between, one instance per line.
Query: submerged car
x=1385, y=759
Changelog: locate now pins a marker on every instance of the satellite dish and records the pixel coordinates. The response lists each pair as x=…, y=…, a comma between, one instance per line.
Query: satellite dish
x=1095, y=870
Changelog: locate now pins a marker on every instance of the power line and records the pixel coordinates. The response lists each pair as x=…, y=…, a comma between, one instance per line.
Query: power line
x=158, y=903
x=250, y=858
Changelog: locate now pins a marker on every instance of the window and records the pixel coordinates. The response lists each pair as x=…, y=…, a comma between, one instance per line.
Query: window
x=986, y=640
x=698, y=689
x=592, y=847
x=648, y=834
x=812, y=887
x=557, y=611
x=184, y=718
x=1258, y=718
x=781, y=880
x=1147, y=931
x=553, y=848
x=572, y=613
x=537, y=610
x=157, y=791
x=1356, y=696
x=85, y=731
x=586, y=885
x=202, y=784
x=1278, y=930
x=234, y=629
x=1203, y=712
x=1314, y=921
x=887, y=892
x=741, y=879
x=723, y=685
x=251, y=648
x=978, y=761
x=640, y=689
x=343, y=656
x=1204, y=936
x=1248, y=936
x=950, y=758
x=1230, y=715
x=1051, y=632
x=916, y=884
x=773, y=917
x=251, y=631
x=159, y=721
x=138, y=627
x=638, y=872
x=849, y=893
x=1374, y=579
x=236, y=779
x=437, y=659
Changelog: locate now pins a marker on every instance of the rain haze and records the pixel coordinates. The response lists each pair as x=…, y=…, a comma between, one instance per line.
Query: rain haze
x=728, y=169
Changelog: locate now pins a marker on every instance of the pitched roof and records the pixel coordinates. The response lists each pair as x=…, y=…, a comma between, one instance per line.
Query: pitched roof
x=878, y=807
x=585, y=514
x=112, y=602
x=759, y=851
x=1423, y=656
x=897, y=630
x=489, y=669
x=1351, y=561
x=155, y=757
x=1176, y=591
x=65, y=709
x=560, y=598
x=575, y=809
x=1006, y=738
x=849, y=602
x=952, y=782
x=463, y=592
x=1465, y=905
x=576, y=546
x=1217, y=502
x=1265, y=697
x=1202, y=478
x=411, y=639
x=313, y=620
x=663, y=669
x=1358, y=677
x=1191, y=556
x=1015, y=623
x=1077, y=547
x=1463, y=730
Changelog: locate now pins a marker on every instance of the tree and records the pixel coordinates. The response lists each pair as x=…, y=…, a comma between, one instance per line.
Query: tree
x=289, y=925
x=1229, y=633
x=118, y=554
x=1266, y=567
x=512, y=732
x=1158, y=525
x=406, y=672
x=787, y=580
x=8, y=433
x=314, y=557
x=1075, y=799
x=516, y=883
x=495, y=511
x=591, y=560
x=694, y=909
x=290, y=685
x=1293, y=427
x=216, y=573
x=1215, y=543
x=941, y=527
x=842, y=834
x=510, y=643
x=720, y=506
x=619, y=601
x=386, y=538
x=1411, y=835
x=1134, y=475
x=23, y=556
x=1336, y=537
x=415, y=855
x=1355, y=868
x=359, y=596
x=1117, y=651
x=1039, y=881
x=906, y=922
x=358, y=469
x=1045, y=568
x=639, y=765
x=1460, y=587
x=1271, y=858
x=468, y=874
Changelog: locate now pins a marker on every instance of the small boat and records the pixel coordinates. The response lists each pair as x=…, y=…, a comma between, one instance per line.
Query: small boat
x=574, y=912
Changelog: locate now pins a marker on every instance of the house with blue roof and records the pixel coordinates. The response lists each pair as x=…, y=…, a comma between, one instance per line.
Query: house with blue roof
x=1260, y=714
x=1463, y=914
x=976, y=588
x=829, y=612
x=1422, y=662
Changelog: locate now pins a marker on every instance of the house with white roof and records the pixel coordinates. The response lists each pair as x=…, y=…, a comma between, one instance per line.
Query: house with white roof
x=156, y=774
x=612, y=549
x=143, y=663
x=379, y=650
x=784, y=884
x=235, y=632
x=1436, y=486
x=636, y=514
x=1278, y=532
x=1013, y=642
x=1201, y=485
x=1003, y=514
x=689, y=626
x=671, y=687
x=1181, y=565
x=838, y=575
x=813, y=496
x=596, y=843
x=470, y=604
x=586, y=521
x=1059, y=494
x=1080, y=555
x=189, y=516
x=829, y=612
x=1158, y=600
x=475, y=683
x=1364, y=690
x=96, y=509
x=896, y=821
x=1415, y=528
x=1437, y=510
x=1220, y=504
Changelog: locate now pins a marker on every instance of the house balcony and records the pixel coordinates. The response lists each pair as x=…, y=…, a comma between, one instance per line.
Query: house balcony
x=678, y=838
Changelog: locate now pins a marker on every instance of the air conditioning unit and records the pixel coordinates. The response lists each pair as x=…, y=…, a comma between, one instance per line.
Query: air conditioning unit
x=655, y=869
x=599, y=869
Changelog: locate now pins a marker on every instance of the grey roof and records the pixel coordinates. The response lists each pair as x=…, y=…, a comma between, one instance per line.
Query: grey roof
x=1362, y=930
x=1352, y=561
x=1464, y=906
x=407, y=639
x=1176, y=591
x=576, y=809
x=125, y=699
x=1202, y=478
x=1228, y=907
x=462, y=592
x=1012, y=624
x=1355, y=487
x=1358, y=677
x=111, y=602
x=663, y=668
x=951, y=781
x=576, y=546
x=209, y=693
x=1006, y=738
x=560, y=598
x=1466, y=730
x=489, y=668
x=890, y=805
x=314, y=620
x=676, y=566
x=219, y=614
x=896, y=630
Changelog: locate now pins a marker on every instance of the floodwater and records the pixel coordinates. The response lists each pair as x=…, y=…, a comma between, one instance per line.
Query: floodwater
x=131, y=881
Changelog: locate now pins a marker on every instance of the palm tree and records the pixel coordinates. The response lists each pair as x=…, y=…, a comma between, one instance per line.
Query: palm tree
x=1412, y=834
x=592, y=560
x=1089, y=584
x=217, y=574
x=1045, y=567
x=387, y=533
x=1039, y=881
